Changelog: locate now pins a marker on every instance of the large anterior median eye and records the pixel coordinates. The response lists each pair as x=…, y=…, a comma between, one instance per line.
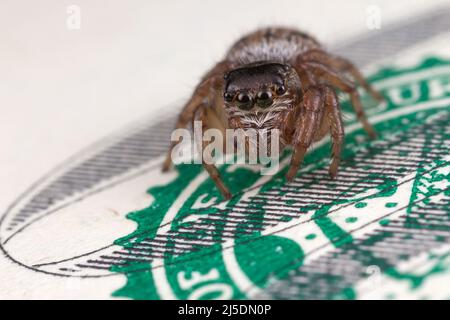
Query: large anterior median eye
x=264, y=99
x=244, y=101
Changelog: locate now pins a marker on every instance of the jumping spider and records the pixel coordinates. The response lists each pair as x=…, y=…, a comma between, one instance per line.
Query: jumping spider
x=288, y=74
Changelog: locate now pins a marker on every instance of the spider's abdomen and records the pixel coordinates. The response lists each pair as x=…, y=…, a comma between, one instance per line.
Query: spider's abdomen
x=270, y=44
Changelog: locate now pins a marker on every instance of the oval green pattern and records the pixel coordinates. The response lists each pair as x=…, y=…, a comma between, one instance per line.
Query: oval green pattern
x=204, y=273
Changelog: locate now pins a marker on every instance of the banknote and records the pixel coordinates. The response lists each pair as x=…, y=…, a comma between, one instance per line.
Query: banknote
x=107, y=223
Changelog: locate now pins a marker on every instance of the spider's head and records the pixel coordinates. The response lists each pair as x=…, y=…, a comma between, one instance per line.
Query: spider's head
x=259, y=86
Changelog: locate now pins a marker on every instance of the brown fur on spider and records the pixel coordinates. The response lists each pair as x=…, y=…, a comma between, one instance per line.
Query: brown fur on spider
x=288, y=74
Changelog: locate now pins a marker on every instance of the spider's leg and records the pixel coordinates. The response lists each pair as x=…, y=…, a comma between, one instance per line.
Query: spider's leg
x=203, y=95
x=185, y=117
x=343, y=65
x=210, y=167
x=306, y=128
x=307, y=80
x=348, y=66
x=345, y=85
x=333, y=112
x=306, y=77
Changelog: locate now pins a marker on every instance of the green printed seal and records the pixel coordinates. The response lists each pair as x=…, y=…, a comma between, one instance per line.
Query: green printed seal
x=279, y=240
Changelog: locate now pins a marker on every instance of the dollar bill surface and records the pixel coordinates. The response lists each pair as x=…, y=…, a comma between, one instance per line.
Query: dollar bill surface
x=98, y=219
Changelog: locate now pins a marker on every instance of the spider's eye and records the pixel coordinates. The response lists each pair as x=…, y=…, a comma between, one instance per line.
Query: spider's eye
x=264, y=99
x=244, y=101
x=280, y=89
x=228, y=96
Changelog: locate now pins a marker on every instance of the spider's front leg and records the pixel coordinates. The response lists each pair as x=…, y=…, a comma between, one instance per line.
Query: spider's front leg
x=203, y=95
x=186, y=116
x=320, y=66
x=306, y=125
x=336, y=80
x=333, y=113
x=208, y=163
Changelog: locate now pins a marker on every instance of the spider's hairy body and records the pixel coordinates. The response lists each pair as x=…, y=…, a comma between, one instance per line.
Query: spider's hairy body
x=277, y=78
x=271, y=44
x=280, y=45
